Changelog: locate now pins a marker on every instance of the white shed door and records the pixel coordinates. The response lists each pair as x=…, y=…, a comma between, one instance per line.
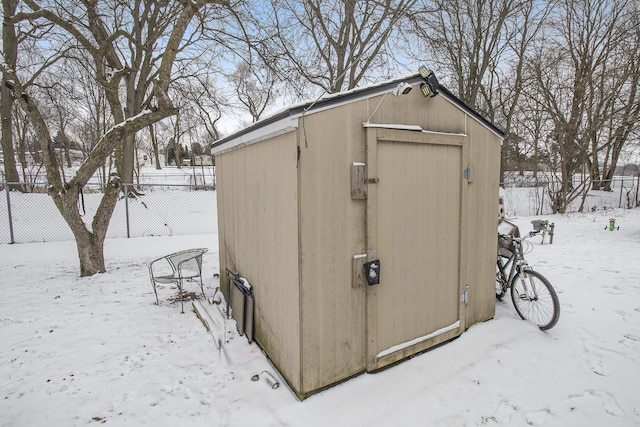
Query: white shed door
x=414, y=216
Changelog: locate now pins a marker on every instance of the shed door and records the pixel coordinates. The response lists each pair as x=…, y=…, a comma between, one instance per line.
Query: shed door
x=415, y=204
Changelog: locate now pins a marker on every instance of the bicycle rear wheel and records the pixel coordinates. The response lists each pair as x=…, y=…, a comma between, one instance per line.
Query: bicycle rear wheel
x=535, y=299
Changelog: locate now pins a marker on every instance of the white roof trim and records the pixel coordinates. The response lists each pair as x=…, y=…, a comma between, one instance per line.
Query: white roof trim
x=410, y=127
x=280, y=127
x=391, y=126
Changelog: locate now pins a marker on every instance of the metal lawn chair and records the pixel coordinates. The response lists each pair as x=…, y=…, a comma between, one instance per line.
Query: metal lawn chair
x=176, y=268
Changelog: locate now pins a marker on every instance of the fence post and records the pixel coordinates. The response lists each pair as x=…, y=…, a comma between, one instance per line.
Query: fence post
x=126, y=207
x=6, y=188
x=621, y=188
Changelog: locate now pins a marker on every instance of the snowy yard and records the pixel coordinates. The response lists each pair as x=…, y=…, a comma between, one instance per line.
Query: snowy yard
x=96, y=350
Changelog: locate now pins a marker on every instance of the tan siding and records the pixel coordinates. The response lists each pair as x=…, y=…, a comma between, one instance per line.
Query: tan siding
x=332, y=232
x=259, y=240
x=485, y=158
x=414, y=220
x=483, y=201
x=418, y=216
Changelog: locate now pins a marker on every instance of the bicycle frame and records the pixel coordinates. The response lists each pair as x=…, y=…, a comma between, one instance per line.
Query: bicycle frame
x=516, y=264
x=513, y=264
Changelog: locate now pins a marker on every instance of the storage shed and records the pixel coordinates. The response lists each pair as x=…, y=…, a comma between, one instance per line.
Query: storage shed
x=365, y=222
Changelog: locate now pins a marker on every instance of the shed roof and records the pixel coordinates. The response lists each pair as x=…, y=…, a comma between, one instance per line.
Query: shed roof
x=286, y=120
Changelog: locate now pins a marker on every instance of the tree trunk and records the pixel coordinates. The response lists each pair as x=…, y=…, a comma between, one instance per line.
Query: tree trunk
x=10, y=168
x=154, y=147
x=67, y=152
x=128, y=150
x=178, y=154
x=176, y=142
x=90, y=250
x=10, y=51
x=621, y=137
x=90, y=244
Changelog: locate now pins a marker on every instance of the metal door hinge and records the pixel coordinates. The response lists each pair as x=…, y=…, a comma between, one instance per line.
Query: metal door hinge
x=466, y=174
x=465, y=296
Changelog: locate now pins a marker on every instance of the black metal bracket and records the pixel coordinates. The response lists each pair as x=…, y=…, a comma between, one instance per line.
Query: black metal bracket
x=372, y=272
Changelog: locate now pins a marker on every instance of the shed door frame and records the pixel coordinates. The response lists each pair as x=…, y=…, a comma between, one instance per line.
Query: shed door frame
x=373, y=136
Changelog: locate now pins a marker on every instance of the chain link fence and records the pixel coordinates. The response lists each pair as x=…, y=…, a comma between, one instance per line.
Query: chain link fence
x=160, y=210
x=529, y=197
x=183, y=209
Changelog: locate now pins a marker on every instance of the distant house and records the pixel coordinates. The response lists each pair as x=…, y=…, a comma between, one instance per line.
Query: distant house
x=365, y=223
x=203, y=160
x=142, y=158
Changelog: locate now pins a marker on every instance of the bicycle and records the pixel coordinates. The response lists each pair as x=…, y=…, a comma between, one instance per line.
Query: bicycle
x=531, y=293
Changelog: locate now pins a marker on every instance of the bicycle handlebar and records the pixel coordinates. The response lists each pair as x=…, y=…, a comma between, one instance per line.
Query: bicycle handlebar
x=519, y=239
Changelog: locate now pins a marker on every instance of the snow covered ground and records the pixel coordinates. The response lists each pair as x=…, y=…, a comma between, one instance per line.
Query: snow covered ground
x=96, y=350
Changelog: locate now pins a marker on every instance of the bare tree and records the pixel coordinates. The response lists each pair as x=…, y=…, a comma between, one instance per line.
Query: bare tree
x=254, y=90
x=141, y=64
x=467, y=41
x=531, y=125
x=59, y=95
x=209, y=108
x=27, y=149
x=623, y=82
x=480, y=47
x=82, y=22
x=587, y=87
x=92, y=111
x=200, y=95
x=522, y=30
x=332, y=45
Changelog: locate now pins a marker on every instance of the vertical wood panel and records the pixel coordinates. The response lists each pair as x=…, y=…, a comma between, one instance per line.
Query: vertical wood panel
x=414, y=217
x=331, y=233
x=371, y=248
x=484, y=156
x=259, y=239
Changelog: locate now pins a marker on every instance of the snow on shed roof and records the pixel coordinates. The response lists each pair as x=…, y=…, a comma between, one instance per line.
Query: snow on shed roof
x=286, y=120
